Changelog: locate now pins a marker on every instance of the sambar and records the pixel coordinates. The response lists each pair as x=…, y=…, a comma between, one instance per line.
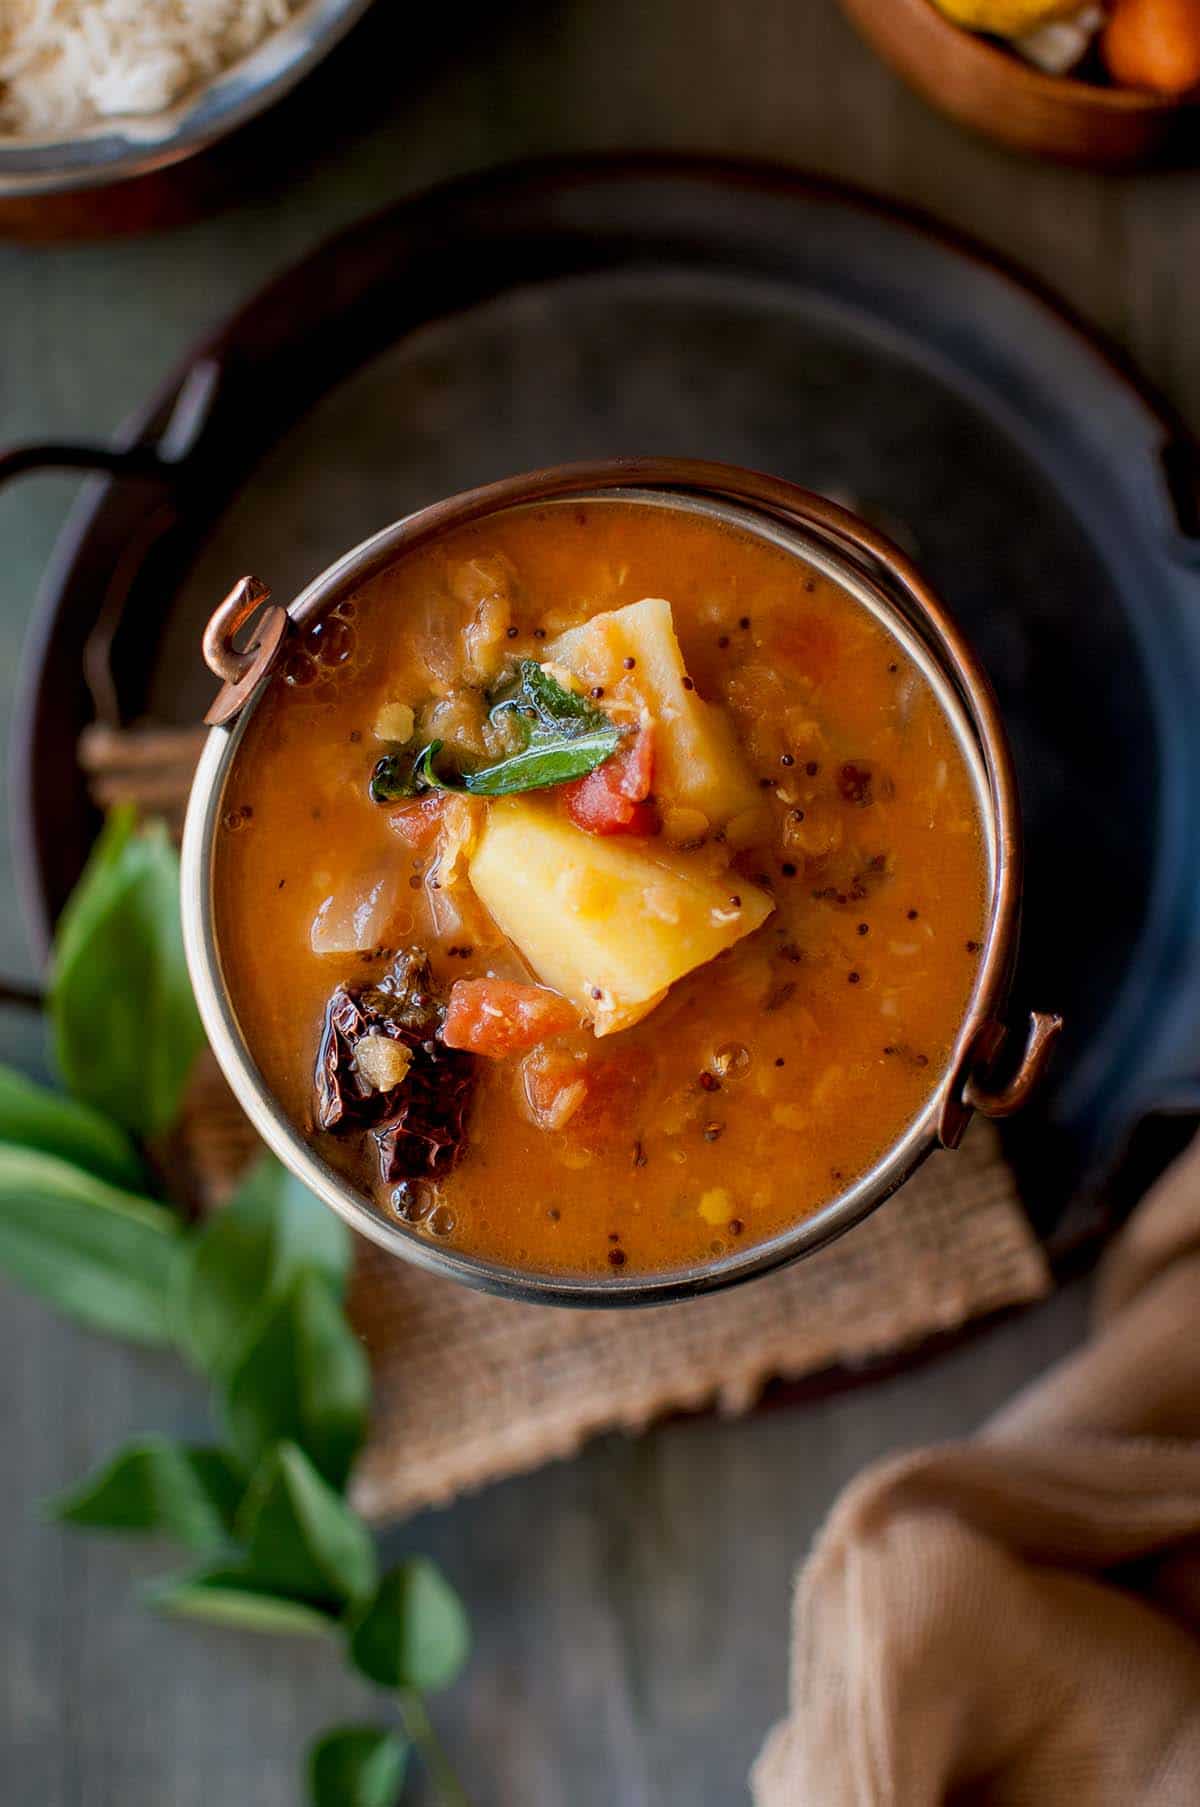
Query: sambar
x=601, y=887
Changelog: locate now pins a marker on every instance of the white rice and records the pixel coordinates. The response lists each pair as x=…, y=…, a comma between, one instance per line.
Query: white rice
x=67, y=63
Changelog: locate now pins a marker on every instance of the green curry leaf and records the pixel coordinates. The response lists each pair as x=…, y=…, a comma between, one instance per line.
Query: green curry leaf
x=538, y=767
x=88, y=900
x=126, y=1029
x=100, y=1254
x=546, y=709
x=246, y=1256
x=414, y=1632
x=357, y=1766
x=33, y=1117
x=303, y=1378
x=231, y=1596
x=255, y=1297
x=300, y=1536
x=560, y=735
x=157, y=1486
x=395, y=776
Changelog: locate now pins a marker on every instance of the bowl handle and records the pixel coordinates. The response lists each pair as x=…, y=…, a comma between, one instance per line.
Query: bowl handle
x=983, y=1089
x=241, y=670
x=1002, y=1100
x=62, y=455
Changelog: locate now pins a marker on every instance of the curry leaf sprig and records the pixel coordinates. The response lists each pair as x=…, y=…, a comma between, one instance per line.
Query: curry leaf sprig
x=253, y=1298
x=560, y=734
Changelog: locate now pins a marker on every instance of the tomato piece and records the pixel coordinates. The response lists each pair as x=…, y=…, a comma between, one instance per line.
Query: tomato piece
x=595, y=1102
x=417, y=823
x=598, y=810
x=496, y=1017
x=614, y=799
x=553, y=1086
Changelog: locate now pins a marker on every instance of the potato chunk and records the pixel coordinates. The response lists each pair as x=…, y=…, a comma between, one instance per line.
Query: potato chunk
x=610, y=924
x=698, y=763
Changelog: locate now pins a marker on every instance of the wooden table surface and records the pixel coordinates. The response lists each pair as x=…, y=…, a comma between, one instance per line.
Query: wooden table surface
x=631, y=1607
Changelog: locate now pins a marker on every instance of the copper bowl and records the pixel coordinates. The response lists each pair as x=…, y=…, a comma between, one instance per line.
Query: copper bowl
x=990, y=89
x=854, y=555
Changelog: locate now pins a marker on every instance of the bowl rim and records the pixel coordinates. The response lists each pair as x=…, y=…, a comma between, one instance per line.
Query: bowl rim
x=127, y=145
x=862, y=553
x=1007, y=65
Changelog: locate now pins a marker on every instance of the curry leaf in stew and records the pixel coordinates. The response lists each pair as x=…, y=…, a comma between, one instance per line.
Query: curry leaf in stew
x=540, y=766
x=559, y=735
x=546, y=709
x=395, y=776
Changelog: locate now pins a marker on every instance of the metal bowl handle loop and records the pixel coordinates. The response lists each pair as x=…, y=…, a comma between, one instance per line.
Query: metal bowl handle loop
x=241, y=671
x=1003, y=1100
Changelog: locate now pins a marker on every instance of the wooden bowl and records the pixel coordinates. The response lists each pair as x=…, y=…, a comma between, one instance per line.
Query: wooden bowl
x=982, y=85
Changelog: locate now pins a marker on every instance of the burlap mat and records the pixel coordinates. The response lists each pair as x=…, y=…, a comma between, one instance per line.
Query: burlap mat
x=469, y=1387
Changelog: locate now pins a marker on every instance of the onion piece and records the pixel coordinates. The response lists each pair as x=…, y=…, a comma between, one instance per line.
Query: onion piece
x=358, y=918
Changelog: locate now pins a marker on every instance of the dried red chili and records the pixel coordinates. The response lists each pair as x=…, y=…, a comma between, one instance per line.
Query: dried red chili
x=418, y=1126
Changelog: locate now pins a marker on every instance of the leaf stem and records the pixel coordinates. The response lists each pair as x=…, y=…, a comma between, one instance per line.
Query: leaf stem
x=419, y=1727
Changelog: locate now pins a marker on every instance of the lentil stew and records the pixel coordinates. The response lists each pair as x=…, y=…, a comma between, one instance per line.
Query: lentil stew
x=602, y=887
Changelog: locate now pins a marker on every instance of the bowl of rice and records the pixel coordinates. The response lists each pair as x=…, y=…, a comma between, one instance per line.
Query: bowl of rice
x=96, y=91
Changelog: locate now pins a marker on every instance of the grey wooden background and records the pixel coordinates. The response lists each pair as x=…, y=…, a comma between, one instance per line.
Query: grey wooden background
x=632, y=1606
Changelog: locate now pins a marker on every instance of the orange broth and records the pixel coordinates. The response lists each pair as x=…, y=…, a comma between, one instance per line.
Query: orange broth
x=767, y=1078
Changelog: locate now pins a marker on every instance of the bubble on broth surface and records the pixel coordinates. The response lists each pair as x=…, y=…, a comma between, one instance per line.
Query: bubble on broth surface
x=730, y=1059
x=411, y=1202
x=299, y=670
x=332, y=641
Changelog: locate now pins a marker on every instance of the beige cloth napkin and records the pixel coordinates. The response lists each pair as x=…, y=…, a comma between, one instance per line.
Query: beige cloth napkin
x=1015, y=1621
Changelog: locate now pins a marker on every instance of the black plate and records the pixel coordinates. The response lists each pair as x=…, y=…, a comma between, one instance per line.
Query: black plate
x=719, y=311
